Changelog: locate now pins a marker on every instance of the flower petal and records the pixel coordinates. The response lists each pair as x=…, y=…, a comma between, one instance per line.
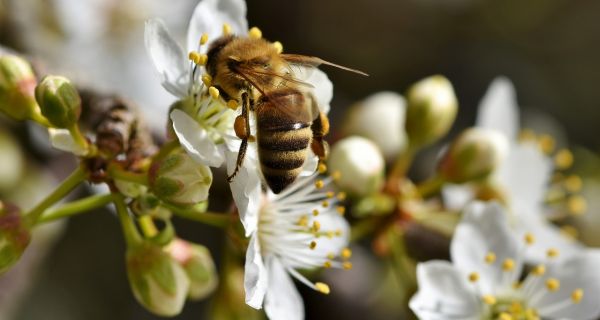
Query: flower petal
x=484, y=229
x=168, y=58
x=547, y=236
x=443, y=293
x=246, y=190
x=255, y=276
x=499, y=110
x=195, y=140
x=282, y=302
x=209, y=17
x=579, y=272
x=456, y=197
x=61, y=139
x=323, y=88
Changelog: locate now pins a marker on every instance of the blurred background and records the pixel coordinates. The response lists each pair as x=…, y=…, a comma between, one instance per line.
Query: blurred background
x=548, y=48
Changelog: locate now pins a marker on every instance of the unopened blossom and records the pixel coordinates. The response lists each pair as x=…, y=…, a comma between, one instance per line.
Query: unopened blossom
x=487, y=279
x=300, y=228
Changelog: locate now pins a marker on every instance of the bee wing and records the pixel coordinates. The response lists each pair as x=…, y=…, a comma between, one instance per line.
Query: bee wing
x=309, y=61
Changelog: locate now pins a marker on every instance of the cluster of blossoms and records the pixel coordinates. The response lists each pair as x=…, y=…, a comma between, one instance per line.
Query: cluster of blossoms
x=503, y=198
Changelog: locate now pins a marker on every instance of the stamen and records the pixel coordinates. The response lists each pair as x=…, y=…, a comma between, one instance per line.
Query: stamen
x=207, y=80
x=321, y=287
x=546, y=143
x=254, y=33
x=331, y=256
x=313, y=245
x=490, y=258
x=563, y=159
x=319, y=184
x=473, y=276
x=341, y=196
x=315, y=212
x=505, y=316
x=226, y=29
x=303, y=221
x=327, y=264
x=573, y=183
x=278, y=46
x=529, y=238
x=232, y=104
x=570, y=232
x=577, y=205
x=204, y=39
x=552, y=253
x=336, y=175
x=539, y=270
x=508, y=264
x=489, y=299
x=325, y=204
x=202, y=60
x=577, y=295
x=330, y=194
x=552, y=284
x=194, y=56
x=341, y=210
x=347, y=265
x=316, y=226
x=346, y=253
x=214, y=92
x=322, y=168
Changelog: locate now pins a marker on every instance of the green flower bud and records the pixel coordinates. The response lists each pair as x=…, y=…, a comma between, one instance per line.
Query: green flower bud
x=473, y=155
x=59, y=101
x=17, y=84
x=179, y=180
x=14, y=235
x=158, y=282
x=199, y=266
x=431, y=110
x=360, y=164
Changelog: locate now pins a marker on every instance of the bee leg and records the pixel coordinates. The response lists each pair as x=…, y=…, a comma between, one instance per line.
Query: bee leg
x=320, y=128
x=242, y=131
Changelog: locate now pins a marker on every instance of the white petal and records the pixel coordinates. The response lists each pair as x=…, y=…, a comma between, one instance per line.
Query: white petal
x=61, y=139
x=195, y=140
x=579, y=272
x=168, y=58
x=525, y=175
x=547, y=236
x=323, y=89
x=483, y=229
x=499, y=110
x=443, y=293
x=255, y=276
x=246, y=190
x=456, y=197
x=310, y=165
x=209, y=17
x=282, y=302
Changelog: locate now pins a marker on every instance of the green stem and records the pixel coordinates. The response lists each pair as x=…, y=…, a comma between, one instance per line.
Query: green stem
x=402, y=164
x=37, y=117
x=220, y=220
x=60, y=192
x=363, y=228
x=165, y=149
x=119, y=174
x=75, y=207
x=132, y=235
x=78, y=136
x=431, y=186
x=147, y=225
x=403, y=265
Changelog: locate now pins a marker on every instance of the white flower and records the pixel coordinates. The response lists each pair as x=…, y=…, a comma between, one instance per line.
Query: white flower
x=203, y=124
x=523, y=176
x=300, y=228
x=485, y=279
x=62, y=139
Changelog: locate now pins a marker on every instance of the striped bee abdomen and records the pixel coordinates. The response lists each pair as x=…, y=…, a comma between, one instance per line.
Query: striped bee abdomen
x=282, y=154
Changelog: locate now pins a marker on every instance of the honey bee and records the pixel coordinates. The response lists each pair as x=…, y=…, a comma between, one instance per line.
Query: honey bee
x=253, y=72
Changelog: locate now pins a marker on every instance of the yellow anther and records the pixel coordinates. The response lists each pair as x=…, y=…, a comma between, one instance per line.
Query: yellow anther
x=338, y=232
x=327, y=264
x=330, y=234
x=316, y=226
x=331, y=256
x=341, y=196
x=278, y=46
x=203, y=39
x=490, y=258
x=322, y=168
x=505, y=316
x=539, y=270
x=489, y=299
x=573, y=183
x=325, y=204
x=347, y=265
x=527, y=135
x=529, y=238
x=508, y=264
x=473, y=276
x=194, y=56
x=315, y=212
x=319, y=184
x=577, y=205
x=226, y=29
x=207, y=80
x=321, y=287
x=303, y=221
x=202, y=59
x=552, y=284
x=577, y=295
x=313, y=245
x=516, y=307
x=570, y=232
x=346, y=253
x=531, y=314
x=552, y=253
x=255, y=33
x=546, y=143
x=341, y=210
x=232, y=104
x=214, y=92
x=330, y=194
x=517, y=285
x=336, y=175
x=563, y=159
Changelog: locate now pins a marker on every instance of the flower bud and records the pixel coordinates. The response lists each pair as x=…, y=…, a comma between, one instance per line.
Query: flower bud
x=59, y=101
x=380, y=118
x=473, y=155
x=158, y=282
x=431, y=110
x=17, y=84
x=179, y=180
x=14, y=235
x=199, y=266
x=360, y=164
